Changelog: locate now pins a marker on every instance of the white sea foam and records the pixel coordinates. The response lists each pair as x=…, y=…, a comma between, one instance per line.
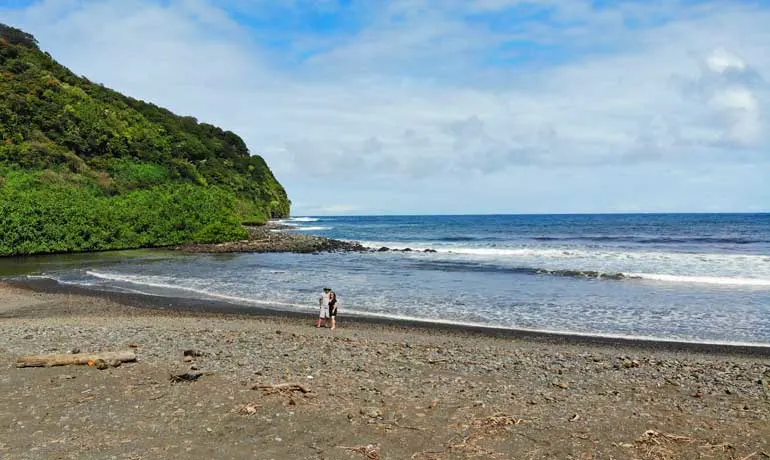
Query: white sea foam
x=169, y=283
x=724, y=281
x=311, y=229
x=303, y=219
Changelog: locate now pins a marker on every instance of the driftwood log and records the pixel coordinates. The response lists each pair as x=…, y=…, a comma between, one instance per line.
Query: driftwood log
x=75, y=358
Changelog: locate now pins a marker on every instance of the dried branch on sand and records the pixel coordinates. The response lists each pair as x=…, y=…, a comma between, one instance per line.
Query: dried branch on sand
x=279, y=387
x=481, y=428
x=370, y=451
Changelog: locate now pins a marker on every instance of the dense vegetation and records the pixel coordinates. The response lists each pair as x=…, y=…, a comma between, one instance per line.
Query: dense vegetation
x=83, y=167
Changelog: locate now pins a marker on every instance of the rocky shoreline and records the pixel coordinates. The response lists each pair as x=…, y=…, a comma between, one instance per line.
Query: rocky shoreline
x=276, y=237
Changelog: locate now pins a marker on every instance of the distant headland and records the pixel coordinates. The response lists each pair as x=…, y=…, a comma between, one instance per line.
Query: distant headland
x=85, y=168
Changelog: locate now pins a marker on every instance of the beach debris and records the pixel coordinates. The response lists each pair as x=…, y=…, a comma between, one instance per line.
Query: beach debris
x=625, y=445
x=282, y=387
x=186, y=377
x=193, y=353
x=496, y=422
x=108, y=358
x=133, y=345
x=98, y=363
x=246, y=409
x=370, y=451
x=492, y=425
x=765, y=382
x=562, y=385
x=371, y=412
x=574, y=418
x=657, y=436
x=629, y=363
x=657, y=443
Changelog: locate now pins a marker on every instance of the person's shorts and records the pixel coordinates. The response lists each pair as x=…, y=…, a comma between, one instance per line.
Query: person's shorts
x=324, y=313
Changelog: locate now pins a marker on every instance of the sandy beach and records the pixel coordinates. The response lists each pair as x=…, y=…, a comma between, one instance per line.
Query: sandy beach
x=272, y=386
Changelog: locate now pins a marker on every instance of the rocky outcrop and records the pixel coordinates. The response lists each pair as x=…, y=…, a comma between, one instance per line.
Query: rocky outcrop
x=274, y=238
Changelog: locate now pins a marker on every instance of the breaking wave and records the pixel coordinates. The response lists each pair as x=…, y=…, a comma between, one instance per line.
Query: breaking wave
x=749, y=270
x=310, y=229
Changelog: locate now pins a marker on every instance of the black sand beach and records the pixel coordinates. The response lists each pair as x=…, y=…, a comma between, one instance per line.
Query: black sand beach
x=270, y=385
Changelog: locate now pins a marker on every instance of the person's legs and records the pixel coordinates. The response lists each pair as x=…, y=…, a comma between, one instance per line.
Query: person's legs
x=333, y=315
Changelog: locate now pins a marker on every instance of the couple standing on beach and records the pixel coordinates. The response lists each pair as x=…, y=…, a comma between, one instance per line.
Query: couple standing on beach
x=328, y=303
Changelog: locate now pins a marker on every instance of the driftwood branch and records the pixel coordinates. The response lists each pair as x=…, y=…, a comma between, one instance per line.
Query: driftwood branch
x=282, y=387
x=75, y=359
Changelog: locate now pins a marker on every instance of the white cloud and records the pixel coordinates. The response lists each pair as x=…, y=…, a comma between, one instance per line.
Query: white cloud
x=721, y=60
x=421, y=99
x=339, y=209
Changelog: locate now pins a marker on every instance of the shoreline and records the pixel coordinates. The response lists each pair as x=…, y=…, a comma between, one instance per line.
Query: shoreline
x=182, y=305
x=223, y=384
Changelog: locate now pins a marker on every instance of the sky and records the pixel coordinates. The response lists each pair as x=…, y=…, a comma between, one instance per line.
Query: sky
x=452, y=106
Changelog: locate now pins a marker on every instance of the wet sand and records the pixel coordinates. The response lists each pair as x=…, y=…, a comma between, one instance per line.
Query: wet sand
x=370, y=389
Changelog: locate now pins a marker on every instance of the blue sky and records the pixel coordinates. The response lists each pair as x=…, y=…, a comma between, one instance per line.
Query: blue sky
x=472, y=106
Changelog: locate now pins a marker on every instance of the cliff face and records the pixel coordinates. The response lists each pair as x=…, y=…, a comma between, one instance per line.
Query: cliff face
x=83, y=167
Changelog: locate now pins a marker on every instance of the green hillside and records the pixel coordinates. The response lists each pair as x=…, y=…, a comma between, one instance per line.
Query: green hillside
x=83, y=167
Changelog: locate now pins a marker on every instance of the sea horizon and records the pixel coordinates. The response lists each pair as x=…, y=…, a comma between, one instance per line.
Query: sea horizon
x=618, y=213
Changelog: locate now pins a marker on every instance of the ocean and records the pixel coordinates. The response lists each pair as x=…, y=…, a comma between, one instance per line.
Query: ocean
x=680, y=277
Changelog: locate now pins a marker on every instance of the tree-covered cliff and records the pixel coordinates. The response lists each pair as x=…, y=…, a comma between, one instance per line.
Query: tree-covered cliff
x=83, y=167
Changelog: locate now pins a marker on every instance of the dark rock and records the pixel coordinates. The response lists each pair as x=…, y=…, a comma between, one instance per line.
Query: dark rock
x=186, y=377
